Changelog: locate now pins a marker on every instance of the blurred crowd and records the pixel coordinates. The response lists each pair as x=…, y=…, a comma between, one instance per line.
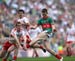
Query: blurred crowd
x=61, y=11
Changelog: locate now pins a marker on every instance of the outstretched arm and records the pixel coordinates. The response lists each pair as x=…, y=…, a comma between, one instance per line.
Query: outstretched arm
x=54, y=28
x=33, y=27
x=17, y=40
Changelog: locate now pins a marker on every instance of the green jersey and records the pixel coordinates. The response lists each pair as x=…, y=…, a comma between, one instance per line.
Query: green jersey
x=46, y=24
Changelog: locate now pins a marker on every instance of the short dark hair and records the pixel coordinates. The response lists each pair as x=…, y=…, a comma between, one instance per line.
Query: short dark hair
x=44, y=10
x=20, y=10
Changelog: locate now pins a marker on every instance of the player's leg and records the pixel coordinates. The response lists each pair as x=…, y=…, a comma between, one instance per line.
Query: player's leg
x=39, y=46
x=68, y=48
x=47, y=46
x=35, y=53
x=36, y=45
x=11, y=48
x=2, y=53
x=42, y=36
x=15, y=54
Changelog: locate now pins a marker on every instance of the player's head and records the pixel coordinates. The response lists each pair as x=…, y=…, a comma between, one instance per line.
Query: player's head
x=44, y=12
x=20, y=13
x=18, y=26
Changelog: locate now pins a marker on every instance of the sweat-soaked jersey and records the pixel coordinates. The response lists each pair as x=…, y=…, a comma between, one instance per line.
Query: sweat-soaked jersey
x=46, y=24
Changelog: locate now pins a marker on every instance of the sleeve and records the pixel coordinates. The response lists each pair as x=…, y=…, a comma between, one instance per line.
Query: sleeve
x=26, y=20
x=39, y=22
x=51, y=21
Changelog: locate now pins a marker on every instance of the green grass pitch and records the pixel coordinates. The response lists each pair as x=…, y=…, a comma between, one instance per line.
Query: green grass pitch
x=45, y=59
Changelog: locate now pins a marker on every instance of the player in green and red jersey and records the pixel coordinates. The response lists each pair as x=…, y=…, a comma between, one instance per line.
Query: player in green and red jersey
x=48, y=27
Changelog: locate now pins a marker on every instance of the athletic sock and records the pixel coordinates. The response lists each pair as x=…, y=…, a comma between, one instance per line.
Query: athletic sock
x=41, y=47
x=4, y=60
x=58, y=56
x=15, y=57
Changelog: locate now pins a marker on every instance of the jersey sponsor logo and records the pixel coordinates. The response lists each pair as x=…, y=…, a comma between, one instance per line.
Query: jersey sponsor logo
x=46, y=25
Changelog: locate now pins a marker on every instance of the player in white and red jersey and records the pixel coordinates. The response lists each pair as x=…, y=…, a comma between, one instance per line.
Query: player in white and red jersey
x=33, y=34
x=70, y=33
x=21, y=18
x=19, y=34
x=70, y=37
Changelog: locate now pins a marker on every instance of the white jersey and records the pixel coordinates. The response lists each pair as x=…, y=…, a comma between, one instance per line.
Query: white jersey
x=34, y=32
x=70, y=33
x=22, y=20
x=18, y=34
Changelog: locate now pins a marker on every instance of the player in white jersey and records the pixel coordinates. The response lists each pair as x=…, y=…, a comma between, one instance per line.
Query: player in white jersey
x=21, y=18
x=70, y=38
x=70, y=33
x=19, y=34
x=33, y=34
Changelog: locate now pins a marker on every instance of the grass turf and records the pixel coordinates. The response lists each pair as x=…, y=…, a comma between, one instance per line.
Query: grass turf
x=46, y=59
